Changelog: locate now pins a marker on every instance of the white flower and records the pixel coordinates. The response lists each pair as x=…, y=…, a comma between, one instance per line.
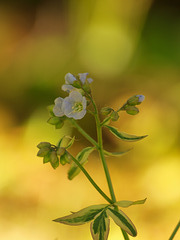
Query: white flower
x=74, y=106
x=57, y=110
x=69, y=78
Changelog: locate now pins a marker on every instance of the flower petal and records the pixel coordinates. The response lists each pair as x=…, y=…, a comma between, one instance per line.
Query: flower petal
x=67, y=106
x=69, y=78
x=67, y=88
x=90, y=80
x=57, y=110
x=79, y=115
x=82, y=77
x=77, y=97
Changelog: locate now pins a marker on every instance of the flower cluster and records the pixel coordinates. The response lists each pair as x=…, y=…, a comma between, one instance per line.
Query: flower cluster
x=55, y=154
x=73, y=106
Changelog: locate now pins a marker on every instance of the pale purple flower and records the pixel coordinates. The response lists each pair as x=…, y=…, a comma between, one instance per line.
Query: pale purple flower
x=140, y=98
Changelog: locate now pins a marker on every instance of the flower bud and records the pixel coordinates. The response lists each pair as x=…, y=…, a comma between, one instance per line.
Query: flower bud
x=114, y=116
x=65, y=158
x=61, y=151
x=106, y=110
x=54, y=160
x=132, y=110
x=53, y=157
x=44, y=144
x=46, y=158
x=135, y=100
x=43, y=152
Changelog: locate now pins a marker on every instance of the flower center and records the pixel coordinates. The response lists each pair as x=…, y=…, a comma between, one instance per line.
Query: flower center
x=78, y=107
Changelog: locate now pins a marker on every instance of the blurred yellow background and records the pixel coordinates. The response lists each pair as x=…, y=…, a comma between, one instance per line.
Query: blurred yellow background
x=129, y=47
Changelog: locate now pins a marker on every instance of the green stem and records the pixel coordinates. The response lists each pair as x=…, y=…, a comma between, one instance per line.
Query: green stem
x=91, y=180
x=101, y=152
x=175, y=231
x=100, y=142
x=90, y=139
x=125, y=235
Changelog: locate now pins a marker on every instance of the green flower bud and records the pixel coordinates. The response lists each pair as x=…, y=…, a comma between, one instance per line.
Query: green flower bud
x=65, y=158
x=106, y=110
x=43, y=151
x=44, y=144
x=132, y=110
x=53, y=157
x=54, y=160
x=135, y=100
x=114, y=116
x=61, y=151
x=46, y=158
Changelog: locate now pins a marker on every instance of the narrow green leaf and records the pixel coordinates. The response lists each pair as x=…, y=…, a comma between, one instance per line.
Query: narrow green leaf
x=126, y=203
x=83, y=216
x=100, y=227
x=70, y=142
x=116, y=154
x=124, y=136
x=122, y=221
x=82, y=157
